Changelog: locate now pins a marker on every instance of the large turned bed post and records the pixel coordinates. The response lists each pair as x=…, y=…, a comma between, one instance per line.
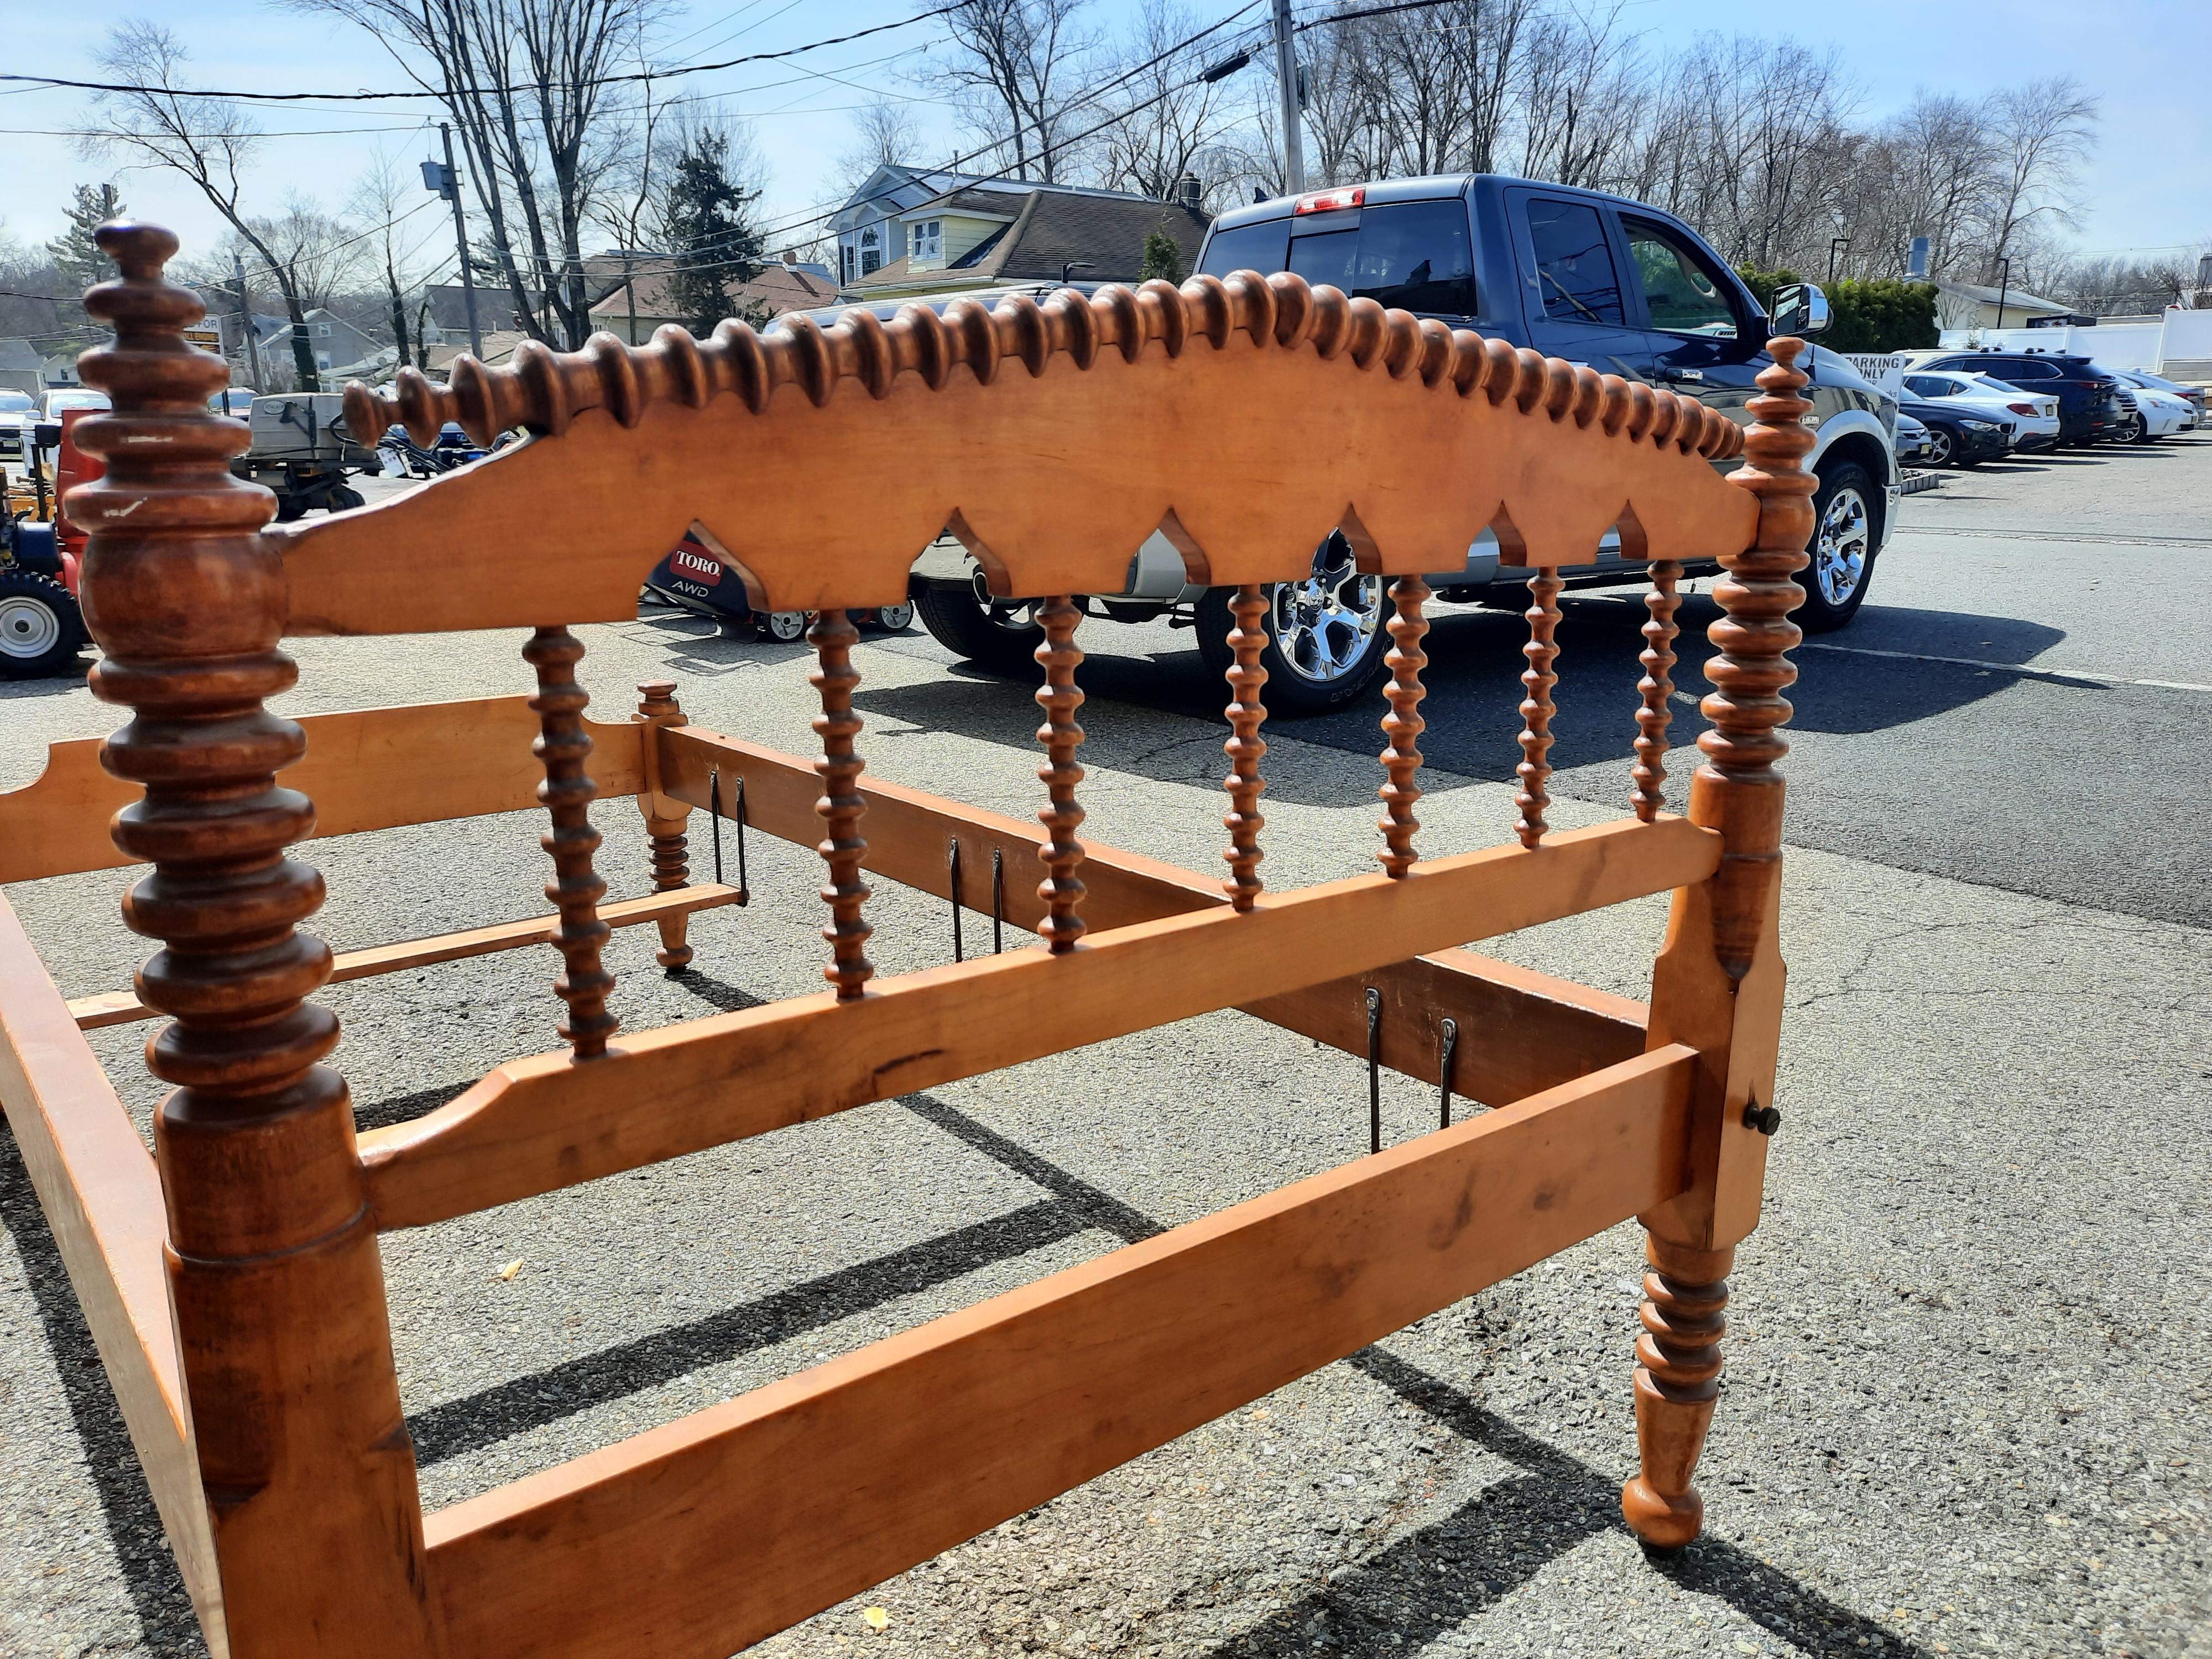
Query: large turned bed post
x=304, y=1458
x=1717, y=987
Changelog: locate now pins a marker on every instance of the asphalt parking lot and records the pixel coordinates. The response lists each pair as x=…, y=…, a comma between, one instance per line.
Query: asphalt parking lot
x=1966, y=1409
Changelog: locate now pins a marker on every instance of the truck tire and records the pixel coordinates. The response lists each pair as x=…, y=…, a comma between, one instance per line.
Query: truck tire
x=1846, y=527
x=41, y=630
x=965, y=623
x=1336, y=620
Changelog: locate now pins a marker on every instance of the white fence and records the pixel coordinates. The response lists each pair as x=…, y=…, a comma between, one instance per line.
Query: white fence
x=2179, y=344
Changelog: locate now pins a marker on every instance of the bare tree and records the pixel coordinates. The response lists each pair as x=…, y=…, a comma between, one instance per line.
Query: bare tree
x=527, y=83
x=1164, y=122
x=386, y=193
x=210, y=141
x=2042, y=134
x=1012, y=63
x=885, y=134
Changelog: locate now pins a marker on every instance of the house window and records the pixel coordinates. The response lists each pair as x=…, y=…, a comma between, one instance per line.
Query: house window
x=928, y=240
x=847, y=267
x=872, y=250
x=322, y=330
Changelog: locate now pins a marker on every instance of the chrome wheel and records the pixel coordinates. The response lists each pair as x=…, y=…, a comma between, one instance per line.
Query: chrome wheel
x=1841, y=548
x=894, y=619
x=1323, y=624
x=28, y=628
x=1939, y=447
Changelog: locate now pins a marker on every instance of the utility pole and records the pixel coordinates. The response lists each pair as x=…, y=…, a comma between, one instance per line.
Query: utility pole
x=246, y=321
x=448, y=183
x=1286, y=81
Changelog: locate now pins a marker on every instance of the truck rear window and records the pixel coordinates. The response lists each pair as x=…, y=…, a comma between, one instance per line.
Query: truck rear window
x=1414, y=255
x=1262, y=247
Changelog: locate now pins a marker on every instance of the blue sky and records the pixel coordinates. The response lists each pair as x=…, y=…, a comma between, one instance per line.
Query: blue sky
x=2149, y=188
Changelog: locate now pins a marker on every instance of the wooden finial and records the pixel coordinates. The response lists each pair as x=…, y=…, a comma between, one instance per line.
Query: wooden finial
x=279, y=1296
x=1656, y=689
x=563, y=747
x=1247, y=639
x=1403, y=726
x=1536, y=708
x=1059, y=696
x=833, y=637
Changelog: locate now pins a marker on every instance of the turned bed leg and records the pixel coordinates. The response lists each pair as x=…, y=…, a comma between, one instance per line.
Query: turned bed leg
x=664, y=820
x=302, y=1449
x=1717, y=985
x=1678, y=1369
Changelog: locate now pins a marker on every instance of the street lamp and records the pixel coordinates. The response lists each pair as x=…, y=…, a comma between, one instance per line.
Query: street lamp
x=2003, y=287
x=1835, y=242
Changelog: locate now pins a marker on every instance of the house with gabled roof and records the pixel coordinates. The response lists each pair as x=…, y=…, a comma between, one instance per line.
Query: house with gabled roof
x=987, y=233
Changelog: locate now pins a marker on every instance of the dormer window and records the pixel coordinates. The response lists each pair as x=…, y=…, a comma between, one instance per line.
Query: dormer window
x=871, y=251
x=927, y=239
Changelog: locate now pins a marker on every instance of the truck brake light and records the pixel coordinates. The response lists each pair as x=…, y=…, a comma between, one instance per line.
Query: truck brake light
x=1328, y=201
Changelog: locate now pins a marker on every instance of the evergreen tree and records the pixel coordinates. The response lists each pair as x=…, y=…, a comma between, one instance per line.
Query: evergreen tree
x=1161, y=258
x=707, y=225
x=74, y=252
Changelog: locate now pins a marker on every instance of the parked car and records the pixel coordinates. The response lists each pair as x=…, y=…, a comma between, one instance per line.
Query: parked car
x=1957, y=437
x=2157, y=413
x=73, y=397
x=236, y=401
x=1912, y=439
x=1593, y=278
x=2088, y=394
x=2030, y=419
x=2193, y=395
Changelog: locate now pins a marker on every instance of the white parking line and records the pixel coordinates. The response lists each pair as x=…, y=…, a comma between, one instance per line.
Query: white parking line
x=2072, y=675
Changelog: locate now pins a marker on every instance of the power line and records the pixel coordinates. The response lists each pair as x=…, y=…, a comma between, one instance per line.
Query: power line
x=626, y=79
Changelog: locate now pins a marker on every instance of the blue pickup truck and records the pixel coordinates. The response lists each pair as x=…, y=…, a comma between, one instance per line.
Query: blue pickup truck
x=1577, y=274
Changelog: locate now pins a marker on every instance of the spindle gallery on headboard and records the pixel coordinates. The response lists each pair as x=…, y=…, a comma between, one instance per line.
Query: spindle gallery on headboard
x=1247, y=418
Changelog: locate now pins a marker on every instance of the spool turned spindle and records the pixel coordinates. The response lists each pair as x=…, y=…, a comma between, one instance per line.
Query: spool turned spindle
x=1402, y=726
x=1248, y=638
x=563, y=747
x=833, y=636
x=1061, y=889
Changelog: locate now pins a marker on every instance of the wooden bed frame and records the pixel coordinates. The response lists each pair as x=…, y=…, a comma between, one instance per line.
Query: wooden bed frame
x=233, y=1281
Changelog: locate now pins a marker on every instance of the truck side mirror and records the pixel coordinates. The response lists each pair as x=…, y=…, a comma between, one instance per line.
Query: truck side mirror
x=1798, y=308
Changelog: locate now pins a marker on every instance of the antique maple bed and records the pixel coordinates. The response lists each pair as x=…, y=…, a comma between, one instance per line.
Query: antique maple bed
x=232, y=1281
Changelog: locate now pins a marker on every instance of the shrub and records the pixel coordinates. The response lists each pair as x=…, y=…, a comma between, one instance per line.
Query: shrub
x=1163, y=258
x=1882, y=314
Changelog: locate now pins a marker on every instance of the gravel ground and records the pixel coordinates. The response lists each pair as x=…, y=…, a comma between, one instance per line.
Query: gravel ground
x=1964, y=1409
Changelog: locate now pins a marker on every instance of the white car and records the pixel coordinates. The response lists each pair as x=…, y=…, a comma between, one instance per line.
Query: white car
x=73, y=397
x=2030, y=419
x=2159, y=413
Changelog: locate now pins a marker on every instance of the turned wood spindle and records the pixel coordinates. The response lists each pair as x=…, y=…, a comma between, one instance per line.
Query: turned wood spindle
x=1537, y=707
x=1061, y=889
x=1678, y=1367
x=1656, y=689
x=833, y=636
x=563, y=747
x=271, y=1245
x=1245, y=747
x=667, y=847
x=1403, y=725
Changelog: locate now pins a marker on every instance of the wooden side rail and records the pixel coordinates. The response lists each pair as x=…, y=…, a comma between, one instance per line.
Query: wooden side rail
x=102, y=1198
x=537, y=1125
x=124, y=1008
x=373, y=769
x=1520, y=1031
x=708, y=1534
